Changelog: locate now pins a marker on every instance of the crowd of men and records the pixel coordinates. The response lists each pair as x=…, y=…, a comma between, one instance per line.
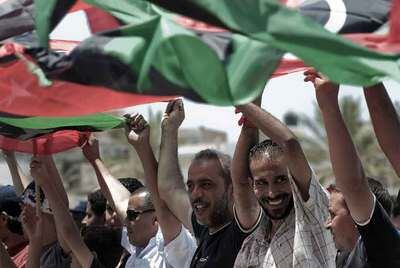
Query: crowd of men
x=263, y=207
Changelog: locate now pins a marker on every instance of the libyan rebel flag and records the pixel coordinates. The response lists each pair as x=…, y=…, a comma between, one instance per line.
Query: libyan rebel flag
x=48, y=135
x=267, y=21
x=156, y=53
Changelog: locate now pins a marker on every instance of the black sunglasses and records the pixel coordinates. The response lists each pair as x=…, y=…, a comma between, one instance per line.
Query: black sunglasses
x=131, y=214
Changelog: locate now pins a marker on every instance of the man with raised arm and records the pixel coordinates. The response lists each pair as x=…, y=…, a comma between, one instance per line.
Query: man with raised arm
x=150, y=225
x=65, y=224
x=374, y=242
x=206, y=207
x=274, y=175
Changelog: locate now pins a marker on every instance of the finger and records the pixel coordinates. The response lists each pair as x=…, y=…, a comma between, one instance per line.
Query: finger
x=170, y=106
x=178, y=105
x=310, y=71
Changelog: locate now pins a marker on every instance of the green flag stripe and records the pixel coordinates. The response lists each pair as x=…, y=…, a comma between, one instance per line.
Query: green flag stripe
x=98, y=122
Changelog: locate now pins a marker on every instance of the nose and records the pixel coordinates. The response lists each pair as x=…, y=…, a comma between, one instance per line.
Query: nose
x=196, y=192
x=273, y=191
x=84, y=220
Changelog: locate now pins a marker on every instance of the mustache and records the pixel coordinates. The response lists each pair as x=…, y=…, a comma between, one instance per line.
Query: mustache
x=199, y=201
x=266, y=199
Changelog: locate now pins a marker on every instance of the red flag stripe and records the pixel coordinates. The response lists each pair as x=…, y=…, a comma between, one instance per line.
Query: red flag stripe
x=47, y=144
x=21, y=94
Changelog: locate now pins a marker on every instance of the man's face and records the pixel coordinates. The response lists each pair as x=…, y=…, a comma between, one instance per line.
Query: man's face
x=144, y=226
x=209, y=196
x=112, y=217
x=271, y=186
x=90, y=217
x=340, y=223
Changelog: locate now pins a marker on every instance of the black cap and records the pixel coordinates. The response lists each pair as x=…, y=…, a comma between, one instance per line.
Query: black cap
x=9, y=201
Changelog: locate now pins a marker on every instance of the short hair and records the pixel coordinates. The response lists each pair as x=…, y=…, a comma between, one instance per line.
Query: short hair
x=380, y=192
x=106, y=242
x=132, y=184
x=144, y=192
x=224, y=160
x=98, y=202
x=266, y=148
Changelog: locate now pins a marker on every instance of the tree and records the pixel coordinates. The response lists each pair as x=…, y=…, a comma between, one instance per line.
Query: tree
x=311, y=132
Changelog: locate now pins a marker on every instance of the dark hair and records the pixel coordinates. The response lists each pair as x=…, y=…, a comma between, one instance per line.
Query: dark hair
x=14, y=225
x=381, y=194
x=106, y=242
x=143, y=192
x=97, y=202
x=132, y=184
x=224, y=160
x=266, y=148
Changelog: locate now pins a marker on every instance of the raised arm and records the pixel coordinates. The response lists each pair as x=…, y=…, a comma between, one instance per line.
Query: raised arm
x=170, y=180
x=246, y=205
x=33, y=226
x=282, y=135
x=386, y=123
x=19, y=179
x=347, y=167
x=138, y=132
x=115, y=193
x=63, y=219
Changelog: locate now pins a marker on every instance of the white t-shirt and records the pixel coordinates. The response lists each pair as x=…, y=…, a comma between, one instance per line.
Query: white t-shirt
x=176, y=254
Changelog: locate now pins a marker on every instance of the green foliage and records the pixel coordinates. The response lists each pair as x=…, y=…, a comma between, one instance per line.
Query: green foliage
x=314, y=142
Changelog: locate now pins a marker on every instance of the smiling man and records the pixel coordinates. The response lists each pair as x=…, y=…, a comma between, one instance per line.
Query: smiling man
x=274, y=176
x=206, y=206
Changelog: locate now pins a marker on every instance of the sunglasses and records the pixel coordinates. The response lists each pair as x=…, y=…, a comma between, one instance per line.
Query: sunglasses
x=132, y=215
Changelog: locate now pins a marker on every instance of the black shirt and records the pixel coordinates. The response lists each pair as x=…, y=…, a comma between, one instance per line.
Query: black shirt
x=217, y=250
x=378, y=245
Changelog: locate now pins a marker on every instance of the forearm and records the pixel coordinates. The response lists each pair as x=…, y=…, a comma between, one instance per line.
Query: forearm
x=246, y=204
x=150, y=167
x=66, y=226
x=385, y=121
x=53, y=172
x=346, y=165
x=5, y=259
x=35, y=251
x=20, y=181
x=268, y=124
x=169, y=175
x=113, y=190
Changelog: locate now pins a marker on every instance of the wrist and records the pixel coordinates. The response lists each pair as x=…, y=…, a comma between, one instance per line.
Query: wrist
x=169, y=130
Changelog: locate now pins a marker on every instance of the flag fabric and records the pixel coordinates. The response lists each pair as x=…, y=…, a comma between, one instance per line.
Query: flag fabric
x=152, y=54
x=51, y=143
x=24, y=128
x=267, y=21
x=48, y=135
x=347, y=16
x=100, y=66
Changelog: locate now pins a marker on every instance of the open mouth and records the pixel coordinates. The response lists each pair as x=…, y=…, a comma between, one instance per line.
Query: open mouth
x=200, y=207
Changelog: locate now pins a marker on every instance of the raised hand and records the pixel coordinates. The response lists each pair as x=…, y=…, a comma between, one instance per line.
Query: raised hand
x=137, y=130
x=325, y=90
x=174, y=115
x=39, y=170
x=91, y=149
x=32, y=223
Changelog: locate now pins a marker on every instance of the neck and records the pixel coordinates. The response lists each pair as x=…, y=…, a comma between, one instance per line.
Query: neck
x=218, y=227
x=275, y=225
